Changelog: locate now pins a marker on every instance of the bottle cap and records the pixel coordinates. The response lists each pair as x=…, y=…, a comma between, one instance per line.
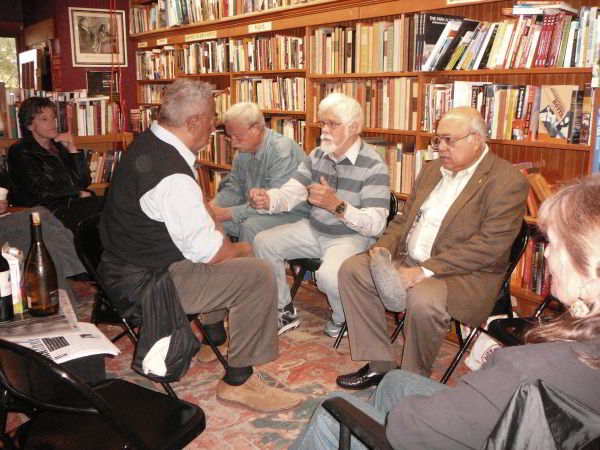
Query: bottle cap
x=35, y=218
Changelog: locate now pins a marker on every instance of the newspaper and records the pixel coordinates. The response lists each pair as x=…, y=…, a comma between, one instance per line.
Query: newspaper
x=59, y=337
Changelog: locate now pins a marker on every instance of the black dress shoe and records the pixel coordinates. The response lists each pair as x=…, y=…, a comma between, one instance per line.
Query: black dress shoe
x=361, y=379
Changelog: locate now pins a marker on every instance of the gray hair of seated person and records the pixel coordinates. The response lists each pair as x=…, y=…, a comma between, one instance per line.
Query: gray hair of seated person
x=573, y=213
x=184, y=99
x=346, y=109
x=476, y=124
x=245, y=112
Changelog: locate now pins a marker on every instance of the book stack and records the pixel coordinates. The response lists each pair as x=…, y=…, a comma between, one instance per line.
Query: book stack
x=144, y=18
x=531, y=273
x=156, y=64
x=145, y=116
x=218, y=150
x=285, y=94
x=537, y=34
x=554, y=113
x=152, y=93
x=222, y=102
x=266, y=53
x=295, y=129
x=102, y=165
x=205, y=57
x=389, y=103
x=363, y=48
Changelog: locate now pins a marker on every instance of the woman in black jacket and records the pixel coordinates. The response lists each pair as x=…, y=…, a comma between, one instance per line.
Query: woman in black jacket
x=47, y=169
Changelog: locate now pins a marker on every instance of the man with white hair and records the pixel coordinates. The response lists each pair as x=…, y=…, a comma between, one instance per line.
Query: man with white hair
x=264, y=159
x=165, y=255
x=346, y=182
x=452, y=238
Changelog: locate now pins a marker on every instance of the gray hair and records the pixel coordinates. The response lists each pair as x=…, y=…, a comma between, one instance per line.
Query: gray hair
x=478, y=126
x=475, y=122
x=183, y=99
x=345, y=108
x=246, y=112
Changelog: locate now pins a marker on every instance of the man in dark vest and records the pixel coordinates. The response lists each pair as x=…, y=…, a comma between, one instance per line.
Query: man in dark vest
x=157, y=218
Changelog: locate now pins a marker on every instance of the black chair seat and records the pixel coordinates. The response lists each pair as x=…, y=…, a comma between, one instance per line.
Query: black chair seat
x=154, y=417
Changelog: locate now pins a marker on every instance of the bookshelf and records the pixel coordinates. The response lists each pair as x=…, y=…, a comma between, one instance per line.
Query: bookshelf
x=564, y=161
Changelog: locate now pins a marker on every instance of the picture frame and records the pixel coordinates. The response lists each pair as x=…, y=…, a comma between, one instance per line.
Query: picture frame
x=101, y=82
x=98, y=37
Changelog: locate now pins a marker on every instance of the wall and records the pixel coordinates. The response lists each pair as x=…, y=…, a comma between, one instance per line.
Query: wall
x=74, y=77
x=11, y=11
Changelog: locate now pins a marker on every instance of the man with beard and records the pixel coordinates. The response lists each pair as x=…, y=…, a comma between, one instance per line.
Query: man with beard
x=346, y=182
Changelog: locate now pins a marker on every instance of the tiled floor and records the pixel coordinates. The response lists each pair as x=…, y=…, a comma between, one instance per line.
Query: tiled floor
x=307, y=364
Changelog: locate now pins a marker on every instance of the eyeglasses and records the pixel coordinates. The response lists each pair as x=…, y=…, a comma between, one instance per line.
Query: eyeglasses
x=448, y=141
x=332, y=177
x=238, y=136
x=328, y=123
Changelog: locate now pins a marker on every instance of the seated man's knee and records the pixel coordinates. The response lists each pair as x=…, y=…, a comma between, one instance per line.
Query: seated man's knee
x=262, y=243
x=421, y=304
x=349, y=268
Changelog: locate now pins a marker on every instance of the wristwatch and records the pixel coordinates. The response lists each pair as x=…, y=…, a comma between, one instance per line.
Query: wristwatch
x=340, y=209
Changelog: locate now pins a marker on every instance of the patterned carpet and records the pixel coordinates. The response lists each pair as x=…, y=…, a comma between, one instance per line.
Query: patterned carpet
x=307, y=364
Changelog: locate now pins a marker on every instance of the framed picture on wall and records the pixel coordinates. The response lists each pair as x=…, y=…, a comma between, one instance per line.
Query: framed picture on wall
x=97, y=37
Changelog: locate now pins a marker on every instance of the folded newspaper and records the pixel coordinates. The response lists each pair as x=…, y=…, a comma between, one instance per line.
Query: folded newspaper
x=59, y=337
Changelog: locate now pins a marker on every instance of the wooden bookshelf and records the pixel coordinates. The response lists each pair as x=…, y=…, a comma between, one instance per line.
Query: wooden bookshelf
x=564, y=161
x=215, y=165
x=99, y=143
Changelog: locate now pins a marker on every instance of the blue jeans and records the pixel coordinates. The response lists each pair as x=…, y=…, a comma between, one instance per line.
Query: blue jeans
x=323, y=430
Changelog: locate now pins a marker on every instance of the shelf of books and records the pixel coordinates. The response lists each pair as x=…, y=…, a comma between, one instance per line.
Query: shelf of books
x=526, y=65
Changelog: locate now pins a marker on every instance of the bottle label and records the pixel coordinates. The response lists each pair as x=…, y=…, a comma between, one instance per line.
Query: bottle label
x=5, y=287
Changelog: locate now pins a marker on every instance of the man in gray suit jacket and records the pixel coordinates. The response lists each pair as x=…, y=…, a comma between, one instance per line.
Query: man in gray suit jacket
x=453, y=238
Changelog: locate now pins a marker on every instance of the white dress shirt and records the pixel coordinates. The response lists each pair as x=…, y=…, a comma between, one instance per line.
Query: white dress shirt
x=433, y=210
x=367, y=222
x=178, y=202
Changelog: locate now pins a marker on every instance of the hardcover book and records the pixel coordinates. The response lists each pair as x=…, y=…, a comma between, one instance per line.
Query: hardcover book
x=555, y=112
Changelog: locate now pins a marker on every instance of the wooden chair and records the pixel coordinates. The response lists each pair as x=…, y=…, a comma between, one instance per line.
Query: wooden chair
x=524, y=423
x=89, y=249
x=301, y=266
x=69, y=414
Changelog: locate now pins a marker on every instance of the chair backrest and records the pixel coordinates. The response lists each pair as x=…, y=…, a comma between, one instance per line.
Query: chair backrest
x=88, y=245
x=47, y=386
x=393, y=206
x=518, y=248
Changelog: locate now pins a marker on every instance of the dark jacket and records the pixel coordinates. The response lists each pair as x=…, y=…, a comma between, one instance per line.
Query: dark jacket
x=40, y=178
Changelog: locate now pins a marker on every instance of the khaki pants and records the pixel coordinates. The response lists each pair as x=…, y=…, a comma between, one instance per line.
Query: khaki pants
x=246, y=288
x=425, y=325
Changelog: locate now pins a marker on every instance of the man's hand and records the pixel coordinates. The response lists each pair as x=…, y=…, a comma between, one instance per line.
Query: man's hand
x=411, y=276
x=222, y=214
x=3, y=206
x=67, y=140
x=259, y=199
x=242, y=249
x=322, y=195
x=84, y=194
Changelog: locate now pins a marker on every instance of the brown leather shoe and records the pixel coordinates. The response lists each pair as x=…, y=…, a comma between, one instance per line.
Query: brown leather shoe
x=206, y=354
x=257, y=395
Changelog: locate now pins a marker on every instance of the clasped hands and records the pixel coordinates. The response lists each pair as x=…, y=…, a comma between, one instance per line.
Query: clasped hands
x=320, y=195
x=409, y=276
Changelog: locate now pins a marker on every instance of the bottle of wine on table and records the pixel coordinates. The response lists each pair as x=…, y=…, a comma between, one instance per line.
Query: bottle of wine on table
x=6, y=300
x=40, y=274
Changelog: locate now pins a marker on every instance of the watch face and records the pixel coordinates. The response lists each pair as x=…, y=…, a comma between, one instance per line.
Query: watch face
x=341, y=208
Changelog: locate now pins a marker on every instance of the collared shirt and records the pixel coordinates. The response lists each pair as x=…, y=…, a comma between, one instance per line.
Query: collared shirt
x=177, y=201
x=271, y=166
x=367, y=220
x=433, y=210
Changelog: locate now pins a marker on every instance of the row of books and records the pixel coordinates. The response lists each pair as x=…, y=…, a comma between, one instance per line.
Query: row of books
x=218, y=150
x=209, y=180
x=532, y=271
x=363, y=48
x=295, y=129
x=277, y=52
x=389, y=103
x=156, y=64
x=152, y=93
x=102, y=165
x=537, y=35
x=169, y=13
x=286, y=94
x=553, y=113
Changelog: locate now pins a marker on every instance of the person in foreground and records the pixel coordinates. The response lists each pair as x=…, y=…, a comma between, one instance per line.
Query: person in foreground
x=565, y=353
x=264, y=159
x=157, y=221
x=46, y=168
x=346, y=182
x=453, y=240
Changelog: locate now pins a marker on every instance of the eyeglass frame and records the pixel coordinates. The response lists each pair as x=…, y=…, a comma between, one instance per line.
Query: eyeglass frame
x=330, y=124
x=239, y=136
x=445, y=139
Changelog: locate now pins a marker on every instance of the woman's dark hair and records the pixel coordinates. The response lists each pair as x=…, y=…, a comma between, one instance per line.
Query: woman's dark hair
x=29, y=109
